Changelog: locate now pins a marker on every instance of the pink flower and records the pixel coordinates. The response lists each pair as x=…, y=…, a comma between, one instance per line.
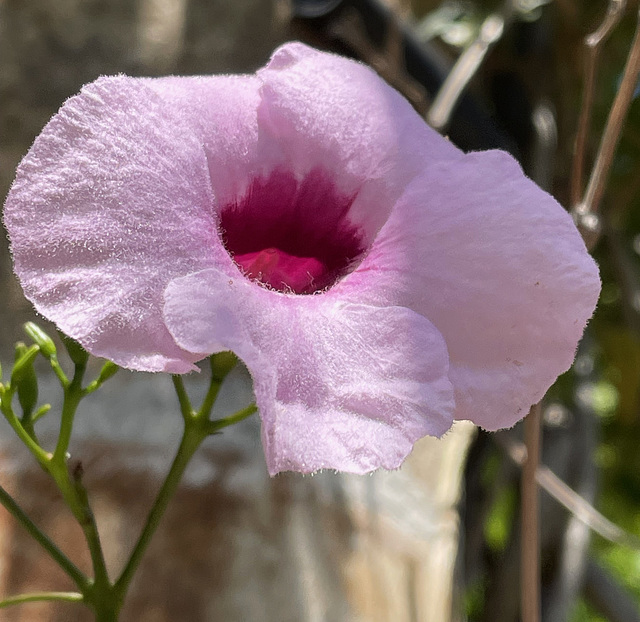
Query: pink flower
x=377, y=282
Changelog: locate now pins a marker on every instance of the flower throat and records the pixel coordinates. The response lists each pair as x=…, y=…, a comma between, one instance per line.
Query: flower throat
x=292, y=236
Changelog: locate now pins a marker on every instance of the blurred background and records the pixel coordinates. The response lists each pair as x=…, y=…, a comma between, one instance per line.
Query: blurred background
x=437, y=540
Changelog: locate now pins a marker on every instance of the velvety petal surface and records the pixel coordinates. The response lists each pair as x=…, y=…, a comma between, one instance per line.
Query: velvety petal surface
x=222, y=112
x=342, y=386
x=324, y=110
x=500, y=269
x=462, y=288
x=114, y=199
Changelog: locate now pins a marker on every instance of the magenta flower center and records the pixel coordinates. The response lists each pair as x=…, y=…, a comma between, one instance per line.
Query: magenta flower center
x=290, y=235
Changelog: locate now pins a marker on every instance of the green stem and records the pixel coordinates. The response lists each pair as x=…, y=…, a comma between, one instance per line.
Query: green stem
x=195, y=431
x=41, y=412
x=56, y=554
x=72, y=395
x=76, y=499
x=220, y=365
x=70, y=485
x=97, y=594
x=71, y=597
x=108, y=370
x=185, y=404
x=27, y=422
x=58, y=371
x=218, y=424
x=104, y=601
x=197, y=427
x=90, y=529
x=210, y=397
x=40, y=454
x=103, y=597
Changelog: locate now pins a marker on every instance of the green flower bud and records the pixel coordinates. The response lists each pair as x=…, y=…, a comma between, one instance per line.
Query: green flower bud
x=47, y=347
x=108, y=370
x=23, y=377
x=41, y=412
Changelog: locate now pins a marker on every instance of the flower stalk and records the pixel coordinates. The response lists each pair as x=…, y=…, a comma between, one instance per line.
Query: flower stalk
x=197, y=427
x=195, y=431
x=103, y=597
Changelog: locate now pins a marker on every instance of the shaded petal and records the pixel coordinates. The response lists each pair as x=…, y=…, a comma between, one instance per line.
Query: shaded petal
x=499, y=267
x=341, y=386
x=325, y=111
x=112, y=201
x=222, y=112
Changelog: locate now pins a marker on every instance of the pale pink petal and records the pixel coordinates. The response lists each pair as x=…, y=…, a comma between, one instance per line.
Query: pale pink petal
x=499, y=268
x=341, y=386
x=327, y=111
x=317, y=178
x=222, y=111
x=114, y=199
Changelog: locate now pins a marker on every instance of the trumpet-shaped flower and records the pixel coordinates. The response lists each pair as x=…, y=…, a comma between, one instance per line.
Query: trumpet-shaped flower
x=377, y=282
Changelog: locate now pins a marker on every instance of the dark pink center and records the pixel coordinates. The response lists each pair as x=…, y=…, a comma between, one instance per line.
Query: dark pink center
x=292, y=235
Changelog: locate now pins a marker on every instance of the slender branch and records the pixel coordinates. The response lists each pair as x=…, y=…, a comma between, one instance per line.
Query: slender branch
x=7, y=409
x=613, y=128
x=40, y=412
x=90, y=529
x=191, y=440
x=466, y=67
x=76, y=498
x=70, y=485
x=569, y=498
x=530, y=535
x=185, y=404
x=218, y=424
x=197, y=428
x=212, y=394
x=39, y=536
x=109, y=369
x=220, y=365
x=72, y=396
x=593, y=44
x=71, y=597
x=59, y=372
